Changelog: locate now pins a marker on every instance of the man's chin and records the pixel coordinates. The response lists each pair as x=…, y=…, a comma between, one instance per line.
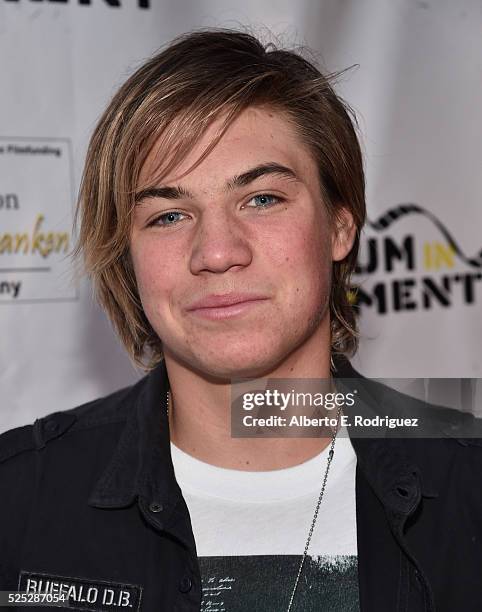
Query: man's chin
x=223, y=365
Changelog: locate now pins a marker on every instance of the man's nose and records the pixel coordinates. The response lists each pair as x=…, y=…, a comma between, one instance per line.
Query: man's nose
x=220, y=242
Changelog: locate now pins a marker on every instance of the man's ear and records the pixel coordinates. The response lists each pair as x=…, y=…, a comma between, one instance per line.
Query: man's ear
x=343, y=236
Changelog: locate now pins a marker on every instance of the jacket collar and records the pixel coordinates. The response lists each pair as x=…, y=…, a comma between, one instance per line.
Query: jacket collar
x=141, y=466
x=397, y=480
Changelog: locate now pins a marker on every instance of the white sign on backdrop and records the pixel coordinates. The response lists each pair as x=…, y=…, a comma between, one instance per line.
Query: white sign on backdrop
x=35, y=234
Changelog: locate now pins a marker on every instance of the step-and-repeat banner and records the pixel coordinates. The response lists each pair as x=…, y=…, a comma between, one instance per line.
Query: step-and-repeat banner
x=417, y=89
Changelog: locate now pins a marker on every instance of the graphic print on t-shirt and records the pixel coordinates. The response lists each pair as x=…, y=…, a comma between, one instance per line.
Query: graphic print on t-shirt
x=265, y=583
x=251, y=527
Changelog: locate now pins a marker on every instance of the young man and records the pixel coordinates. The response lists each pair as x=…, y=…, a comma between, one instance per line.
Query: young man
x=220, y=209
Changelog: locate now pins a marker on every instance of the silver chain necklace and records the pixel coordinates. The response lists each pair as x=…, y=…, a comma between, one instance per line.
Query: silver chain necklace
x=331, y=452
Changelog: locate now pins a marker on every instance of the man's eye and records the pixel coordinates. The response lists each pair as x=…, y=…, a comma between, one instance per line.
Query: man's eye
x=169, y=218
x=265, y=200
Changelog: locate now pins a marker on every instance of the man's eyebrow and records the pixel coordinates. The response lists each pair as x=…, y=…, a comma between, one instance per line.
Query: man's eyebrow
x=240, y=180
x=168, y=193
x=251, y=175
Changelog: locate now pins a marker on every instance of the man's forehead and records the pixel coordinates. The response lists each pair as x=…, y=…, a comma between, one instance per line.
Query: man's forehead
x=257, y=137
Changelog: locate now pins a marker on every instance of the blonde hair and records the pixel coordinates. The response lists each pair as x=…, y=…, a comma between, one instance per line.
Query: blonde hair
x=175, y=96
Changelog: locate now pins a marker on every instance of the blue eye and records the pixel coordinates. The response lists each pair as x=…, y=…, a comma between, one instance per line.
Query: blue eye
x=169, y=215
x=265, y=200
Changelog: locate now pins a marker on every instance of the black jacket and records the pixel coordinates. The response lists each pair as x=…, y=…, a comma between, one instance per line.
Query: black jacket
x=89, y=499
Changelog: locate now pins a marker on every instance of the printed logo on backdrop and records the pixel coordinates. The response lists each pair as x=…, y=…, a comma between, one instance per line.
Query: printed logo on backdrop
x=142, y=4
x=35, y=220
x=409, y=260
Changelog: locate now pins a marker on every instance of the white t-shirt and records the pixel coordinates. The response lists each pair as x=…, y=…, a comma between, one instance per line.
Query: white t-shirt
x=251, y=529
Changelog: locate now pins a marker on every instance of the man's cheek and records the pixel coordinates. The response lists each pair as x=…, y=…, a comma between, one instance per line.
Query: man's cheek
x=152, y=294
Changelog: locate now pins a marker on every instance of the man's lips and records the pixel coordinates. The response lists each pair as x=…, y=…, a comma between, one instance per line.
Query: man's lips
x=227, y=299
x=217, y=307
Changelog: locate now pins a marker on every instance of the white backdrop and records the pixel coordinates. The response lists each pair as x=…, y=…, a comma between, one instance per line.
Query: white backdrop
x=418, y=94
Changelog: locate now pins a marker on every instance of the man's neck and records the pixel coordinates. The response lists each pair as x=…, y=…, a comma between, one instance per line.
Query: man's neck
x=200, y=417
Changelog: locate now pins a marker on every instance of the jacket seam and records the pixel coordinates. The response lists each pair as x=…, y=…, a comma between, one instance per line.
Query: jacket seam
x=73, y=428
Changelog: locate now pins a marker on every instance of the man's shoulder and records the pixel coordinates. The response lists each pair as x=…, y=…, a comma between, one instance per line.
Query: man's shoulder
x=423, y=419
x=430, y=420
x=442, y=443
x=101, y=413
